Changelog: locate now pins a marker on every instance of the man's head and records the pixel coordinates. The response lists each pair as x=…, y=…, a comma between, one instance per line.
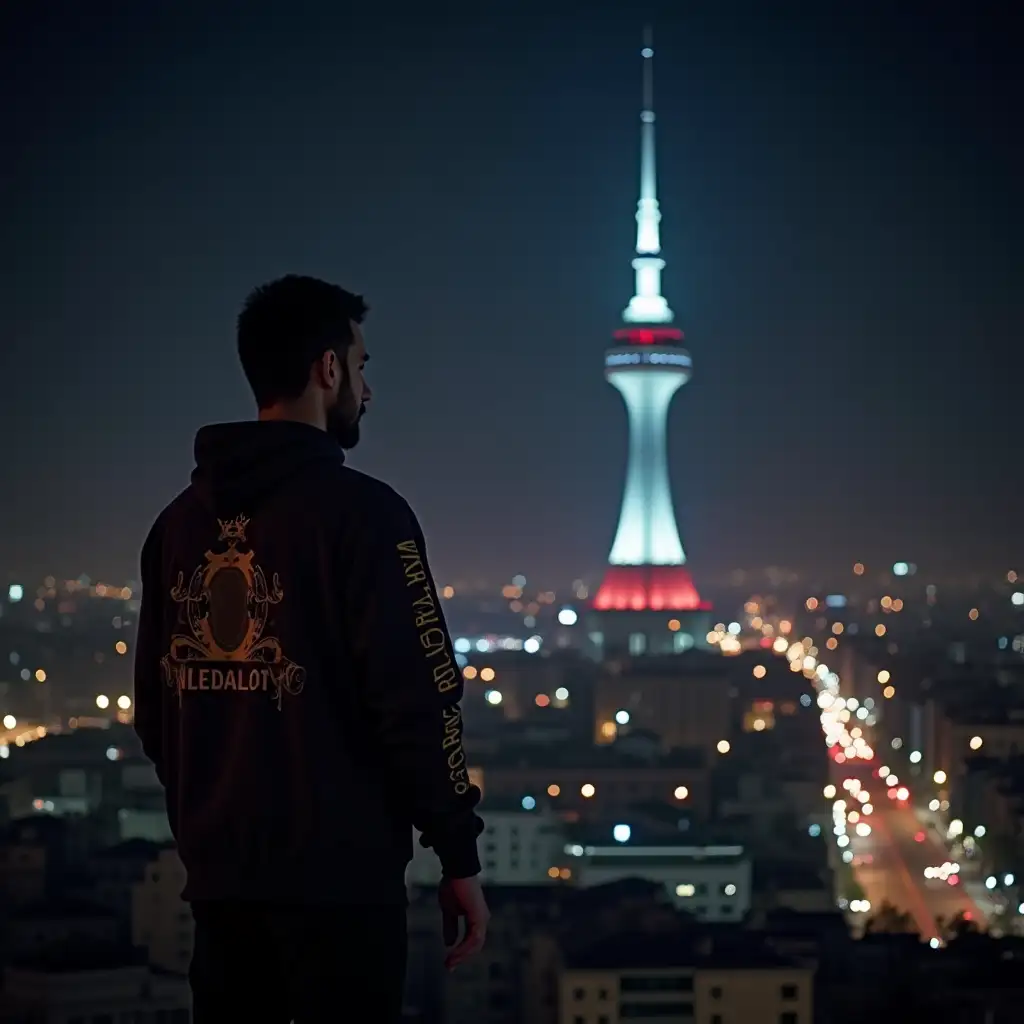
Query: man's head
x=303, y=353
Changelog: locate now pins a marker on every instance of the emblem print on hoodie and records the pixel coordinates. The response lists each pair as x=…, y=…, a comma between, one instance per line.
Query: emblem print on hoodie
x=225, y=606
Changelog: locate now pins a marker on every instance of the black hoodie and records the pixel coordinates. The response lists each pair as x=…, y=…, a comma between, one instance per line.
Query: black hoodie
x=295, y=683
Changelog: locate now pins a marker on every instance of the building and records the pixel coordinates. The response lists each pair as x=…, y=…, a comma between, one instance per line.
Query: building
x=492, y=987
x=712, y=883
x=687, y=704
x=93, y=984
x=23, y=871
x=519, y=846
x=89, y=772
x=162, y=923
x=541, y=690
x=647, y=363
x=674, y=980
x=58, y=923
x=597, y=782
x=116, y=871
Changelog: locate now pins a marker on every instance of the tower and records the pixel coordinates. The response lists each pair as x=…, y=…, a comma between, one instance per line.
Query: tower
x=647, y=363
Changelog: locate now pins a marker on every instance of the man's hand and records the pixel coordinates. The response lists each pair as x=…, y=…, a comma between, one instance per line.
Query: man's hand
x=462, y=898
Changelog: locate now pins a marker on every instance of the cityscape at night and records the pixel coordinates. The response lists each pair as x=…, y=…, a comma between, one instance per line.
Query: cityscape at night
x=742, y=662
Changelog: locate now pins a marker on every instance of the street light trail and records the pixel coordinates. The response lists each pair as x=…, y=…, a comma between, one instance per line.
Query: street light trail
x=918, y=909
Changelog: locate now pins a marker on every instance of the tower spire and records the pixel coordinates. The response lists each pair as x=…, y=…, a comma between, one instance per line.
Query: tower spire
x=647, y=305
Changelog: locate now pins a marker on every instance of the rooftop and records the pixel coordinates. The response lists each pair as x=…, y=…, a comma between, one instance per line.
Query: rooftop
x=683, y=949
x=586, y=758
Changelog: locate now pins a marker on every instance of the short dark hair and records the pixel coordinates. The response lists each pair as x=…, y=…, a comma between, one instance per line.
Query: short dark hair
x=288, y=324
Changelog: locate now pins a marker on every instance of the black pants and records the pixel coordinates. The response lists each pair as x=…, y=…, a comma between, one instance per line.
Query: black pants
x=262, y=964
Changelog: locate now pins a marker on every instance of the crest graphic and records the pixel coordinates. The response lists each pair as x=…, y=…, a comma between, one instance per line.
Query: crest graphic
x=225, y=605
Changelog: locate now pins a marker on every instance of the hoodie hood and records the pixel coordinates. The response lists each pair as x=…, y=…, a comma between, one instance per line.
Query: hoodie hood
x=241, y=464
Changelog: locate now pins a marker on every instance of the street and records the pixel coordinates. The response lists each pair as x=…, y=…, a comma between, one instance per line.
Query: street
x=889, y=864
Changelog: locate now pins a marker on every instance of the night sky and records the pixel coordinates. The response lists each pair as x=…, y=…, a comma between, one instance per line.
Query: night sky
x=841, y=219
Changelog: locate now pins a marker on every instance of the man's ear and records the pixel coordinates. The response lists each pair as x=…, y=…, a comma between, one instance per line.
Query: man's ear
x=326, y=369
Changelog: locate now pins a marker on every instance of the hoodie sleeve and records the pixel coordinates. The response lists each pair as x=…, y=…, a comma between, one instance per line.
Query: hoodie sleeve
x=411, y=684
x=148, y=686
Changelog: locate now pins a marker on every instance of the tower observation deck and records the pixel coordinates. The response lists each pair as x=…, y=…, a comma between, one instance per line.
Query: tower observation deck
x=647, y=363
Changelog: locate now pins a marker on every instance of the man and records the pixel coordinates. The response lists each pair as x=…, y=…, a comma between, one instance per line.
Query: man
x=296, y=688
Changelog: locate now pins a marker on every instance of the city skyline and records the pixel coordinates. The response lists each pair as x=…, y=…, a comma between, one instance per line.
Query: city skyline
x=826, y=295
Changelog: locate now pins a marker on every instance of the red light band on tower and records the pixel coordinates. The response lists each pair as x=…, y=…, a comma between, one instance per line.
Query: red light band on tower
x=649, y=335
x=641, y=588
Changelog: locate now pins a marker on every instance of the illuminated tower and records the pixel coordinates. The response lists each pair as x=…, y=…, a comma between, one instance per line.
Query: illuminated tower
x=647, y=363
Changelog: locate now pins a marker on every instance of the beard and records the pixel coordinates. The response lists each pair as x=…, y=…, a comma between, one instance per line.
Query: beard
x=344, y=427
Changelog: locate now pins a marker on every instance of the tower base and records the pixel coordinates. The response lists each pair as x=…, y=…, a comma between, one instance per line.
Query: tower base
x=655, y=588
x=647, y=610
